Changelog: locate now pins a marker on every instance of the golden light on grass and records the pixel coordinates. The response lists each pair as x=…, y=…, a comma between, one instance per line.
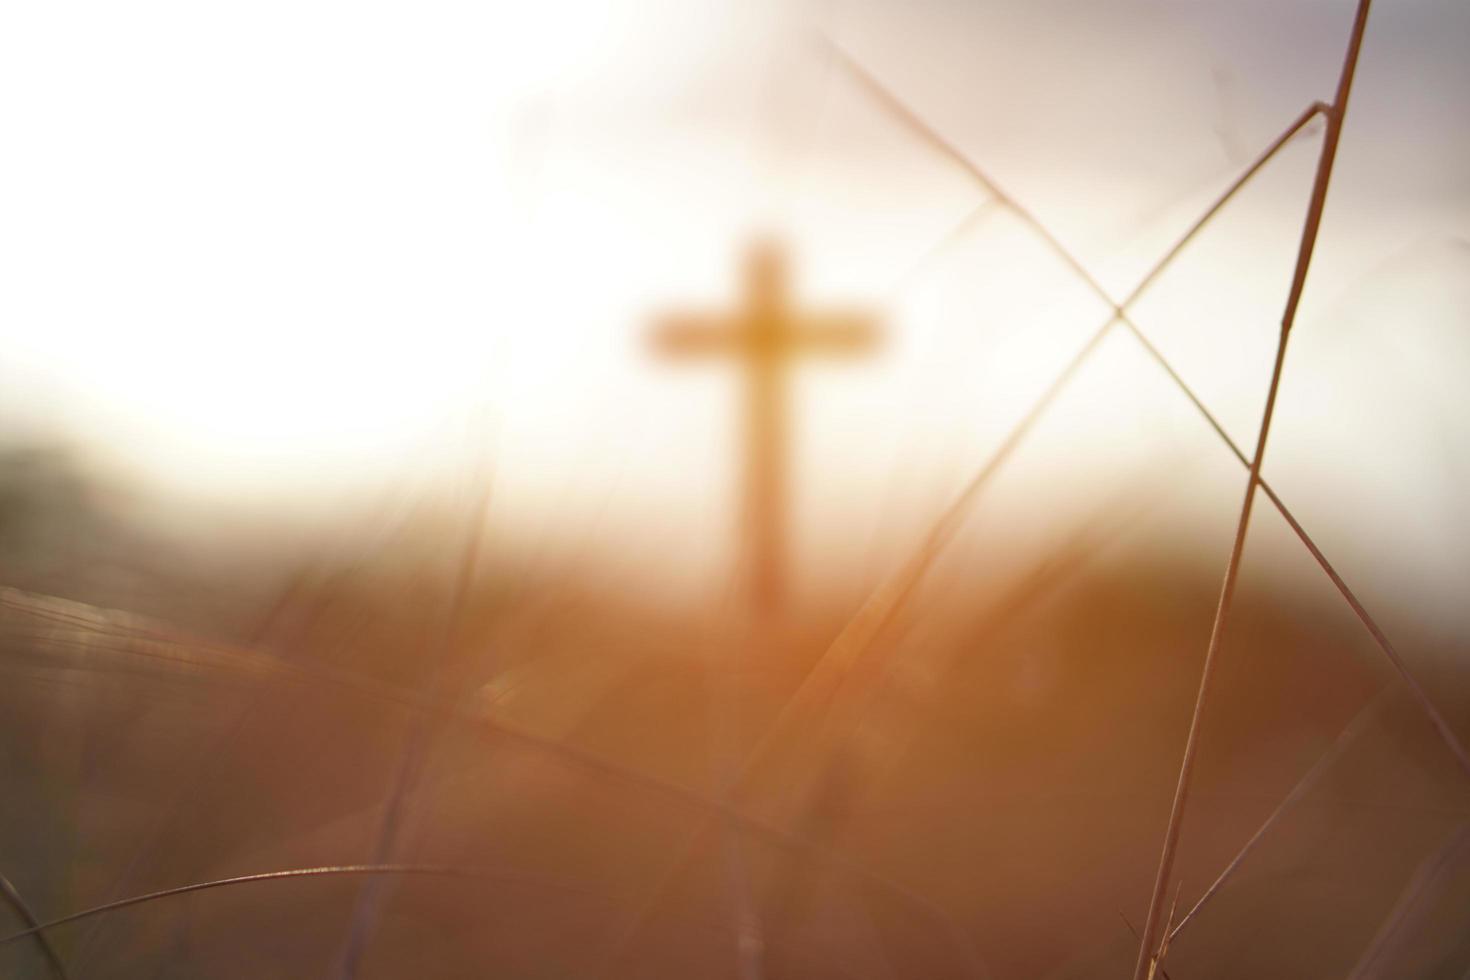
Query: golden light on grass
x=379, y=601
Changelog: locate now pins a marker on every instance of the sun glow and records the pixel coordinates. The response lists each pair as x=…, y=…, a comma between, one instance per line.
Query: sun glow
x=321, y=244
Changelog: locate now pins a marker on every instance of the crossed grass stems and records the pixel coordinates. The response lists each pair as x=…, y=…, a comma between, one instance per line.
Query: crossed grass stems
x=878, y=612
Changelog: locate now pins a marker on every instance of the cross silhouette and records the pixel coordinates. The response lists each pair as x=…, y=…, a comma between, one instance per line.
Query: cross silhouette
x=765, y=333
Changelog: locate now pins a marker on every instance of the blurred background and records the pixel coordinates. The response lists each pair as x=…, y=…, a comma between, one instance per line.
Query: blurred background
x=348, y=514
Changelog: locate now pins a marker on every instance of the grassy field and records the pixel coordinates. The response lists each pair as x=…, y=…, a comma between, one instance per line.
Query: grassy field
x=614, y=786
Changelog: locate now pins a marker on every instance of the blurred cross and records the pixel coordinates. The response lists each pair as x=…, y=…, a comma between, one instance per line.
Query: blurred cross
x=764, y=334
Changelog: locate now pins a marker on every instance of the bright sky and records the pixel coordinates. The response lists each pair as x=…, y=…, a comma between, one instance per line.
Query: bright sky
x=288, y=247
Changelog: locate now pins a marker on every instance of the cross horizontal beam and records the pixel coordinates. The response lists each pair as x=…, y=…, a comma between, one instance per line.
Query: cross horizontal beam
x=830, y=334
